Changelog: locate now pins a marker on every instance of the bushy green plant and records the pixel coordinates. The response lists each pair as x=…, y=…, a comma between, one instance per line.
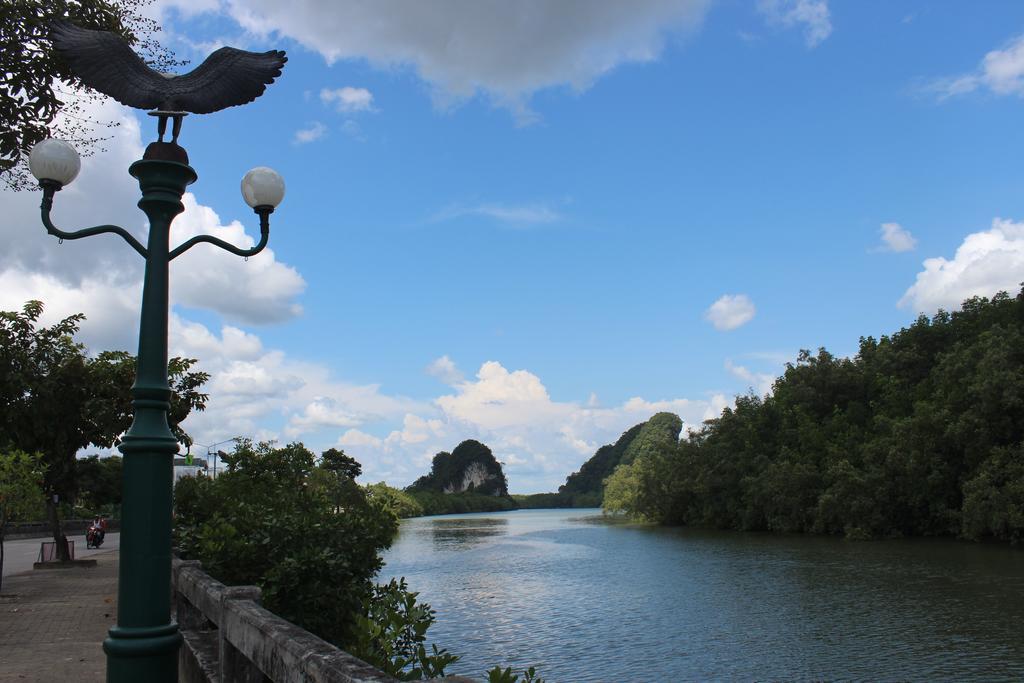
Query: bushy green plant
x=499, y=675
x=99, y=484
x=435, y=503
x=267, y=521
x=400, y=503
x=21, y=487
x=994, y=497
x=391, y=634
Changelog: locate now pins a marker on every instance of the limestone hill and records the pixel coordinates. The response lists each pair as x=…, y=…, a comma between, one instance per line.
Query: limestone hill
x=471, y=467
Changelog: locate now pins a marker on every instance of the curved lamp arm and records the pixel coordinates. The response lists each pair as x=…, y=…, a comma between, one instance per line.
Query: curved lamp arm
x=49, y=188
x=264, y=214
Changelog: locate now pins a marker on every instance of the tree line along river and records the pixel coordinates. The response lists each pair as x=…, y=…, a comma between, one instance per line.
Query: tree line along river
x=585, y=600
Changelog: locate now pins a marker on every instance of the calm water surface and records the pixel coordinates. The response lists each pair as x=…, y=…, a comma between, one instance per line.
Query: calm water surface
x=587, y=601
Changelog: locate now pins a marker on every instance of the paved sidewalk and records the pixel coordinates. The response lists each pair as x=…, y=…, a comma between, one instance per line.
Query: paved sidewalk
x=53, y=621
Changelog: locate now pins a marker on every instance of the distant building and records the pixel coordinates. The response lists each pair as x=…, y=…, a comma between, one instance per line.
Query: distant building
x=183, y=469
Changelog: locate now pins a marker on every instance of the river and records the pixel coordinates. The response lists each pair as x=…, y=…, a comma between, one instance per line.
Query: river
x=584, y=600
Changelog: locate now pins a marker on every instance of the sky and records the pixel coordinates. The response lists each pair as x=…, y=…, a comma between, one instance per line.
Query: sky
x=538, y=223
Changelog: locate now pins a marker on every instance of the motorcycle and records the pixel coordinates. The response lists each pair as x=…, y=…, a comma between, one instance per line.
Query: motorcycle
x=94, y=537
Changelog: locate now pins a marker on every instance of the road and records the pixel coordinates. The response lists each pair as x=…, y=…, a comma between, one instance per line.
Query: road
x=20, y=554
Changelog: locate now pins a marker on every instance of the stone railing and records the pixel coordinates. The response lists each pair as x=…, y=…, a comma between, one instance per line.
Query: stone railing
x=230, y=637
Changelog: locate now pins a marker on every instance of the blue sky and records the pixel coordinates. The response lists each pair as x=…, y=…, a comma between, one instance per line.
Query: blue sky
x=536, y=224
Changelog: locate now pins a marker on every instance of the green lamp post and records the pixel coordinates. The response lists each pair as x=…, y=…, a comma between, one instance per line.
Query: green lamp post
x=143, y=646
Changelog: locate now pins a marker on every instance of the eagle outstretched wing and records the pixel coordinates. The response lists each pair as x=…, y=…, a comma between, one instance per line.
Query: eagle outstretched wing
x=226, y=78
x=104, y=62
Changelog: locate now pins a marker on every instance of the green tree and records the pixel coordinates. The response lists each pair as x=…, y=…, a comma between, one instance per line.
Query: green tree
x=21, y=478
x=437, y=503
x=342, y=465
x=622, y=492
x=391, y=634
x=994, y=497
x=921, y=433
x=336, y=477
x=398, y=502
x=37, y=83
x=265, y=522
x=588, y=482
x=586, y=487
x=661, y=431
x=98, y=482
x=55, y=400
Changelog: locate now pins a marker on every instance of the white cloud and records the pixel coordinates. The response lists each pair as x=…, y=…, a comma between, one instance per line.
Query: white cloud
x=444, y=369
x=730, y=311
x=24, y=244
x=897, y=238
x=528, y=214
x=760, y=382
x=507, y=50
x=539, y=439
x=354, y=437
x=984, y=264
x=254, y=390
x=813, y=15
x=310, y=133
x=500, y=399
x=321, y=412
x=348, y=99
x=256, y=290
x=416, y=429
x=111, y=307
x=1001, y=71
x=259, y=290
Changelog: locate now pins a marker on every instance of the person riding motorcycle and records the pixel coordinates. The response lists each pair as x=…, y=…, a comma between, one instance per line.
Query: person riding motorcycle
x=97, y=530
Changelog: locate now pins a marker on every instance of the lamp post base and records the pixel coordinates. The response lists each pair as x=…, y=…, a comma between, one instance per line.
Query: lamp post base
x=143, y=654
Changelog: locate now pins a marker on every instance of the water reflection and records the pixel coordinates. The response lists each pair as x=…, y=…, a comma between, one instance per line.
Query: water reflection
x=460, y=533
x=591, y=601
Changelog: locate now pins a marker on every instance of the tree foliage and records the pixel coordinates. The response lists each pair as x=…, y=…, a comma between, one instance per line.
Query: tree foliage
x=392, y=633
x=336, y=477
x=586, y=488
x=436, y=503
x=99, y=483
x=589, y=481
x=921, y=433
x=21, y=479
x=499, y=675
x=37, y=83
x=56, y=400
x=267, y=522
x=398, y=502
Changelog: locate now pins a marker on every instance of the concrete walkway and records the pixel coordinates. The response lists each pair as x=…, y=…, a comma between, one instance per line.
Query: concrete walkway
x=53, y=622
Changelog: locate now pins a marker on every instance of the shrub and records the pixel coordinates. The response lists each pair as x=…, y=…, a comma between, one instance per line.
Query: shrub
x=269, y=520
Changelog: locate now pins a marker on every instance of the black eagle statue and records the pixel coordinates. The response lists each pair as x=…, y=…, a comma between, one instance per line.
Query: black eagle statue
x=104, y=61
